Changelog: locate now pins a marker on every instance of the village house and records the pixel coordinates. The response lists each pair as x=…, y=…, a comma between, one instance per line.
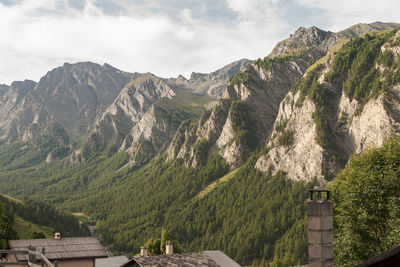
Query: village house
x=68, y=252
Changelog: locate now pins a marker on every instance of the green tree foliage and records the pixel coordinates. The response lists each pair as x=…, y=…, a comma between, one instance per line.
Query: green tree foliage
x=286, y=138
x=45, y=214
x=242, y=124
x=354, y=67
x=6, y=230
x=38, y=235
x=157, y=246
x=201, y=150
x=366, y=204
x=268, y=62
x=240, y=78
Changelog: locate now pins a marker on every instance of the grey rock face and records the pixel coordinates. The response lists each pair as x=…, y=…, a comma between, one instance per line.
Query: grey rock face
x=302, y=38
x=72, y=96
x=304, y=157
x=129, y=108
x=10, y=97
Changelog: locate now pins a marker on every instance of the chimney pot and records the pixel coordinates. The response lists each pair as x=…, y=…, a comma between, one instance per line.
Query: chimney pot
x=319, y=191
x=169, y=248
x=57, y=235
x=143, y=251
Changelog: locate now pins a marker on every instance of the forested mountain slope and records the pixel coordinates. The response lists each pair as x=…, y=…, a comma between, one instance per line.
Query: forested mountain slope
x=342, y=106
x=43, y=215
x=222, y=183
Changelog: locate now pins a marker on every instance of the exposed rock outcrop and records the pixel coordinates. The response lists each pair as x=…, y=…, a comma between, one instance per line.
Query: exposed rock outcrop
x=73, y=96
x=354, y=125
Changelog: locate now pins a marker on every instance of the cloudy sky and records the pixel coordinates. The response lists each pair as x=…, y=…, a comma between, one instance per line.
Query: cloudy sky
x=165, y=37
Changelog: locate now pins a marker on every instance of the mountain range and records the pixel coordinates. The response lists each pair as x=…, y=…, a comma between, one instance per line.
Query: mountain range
x=221, y=159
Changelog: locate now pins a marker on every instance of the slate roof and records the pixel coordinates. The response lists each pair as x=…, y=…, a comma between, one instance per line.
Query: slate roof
x=214, y=258
x=111, y=262
x=64, y=248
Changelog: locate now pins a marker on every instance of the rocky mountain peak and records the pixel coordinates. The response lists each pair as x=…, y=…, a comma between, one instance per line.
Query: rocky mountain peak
x=3, y=88
x=182, y=79
x=23, y=87
x=72, y=96
x=301, y=39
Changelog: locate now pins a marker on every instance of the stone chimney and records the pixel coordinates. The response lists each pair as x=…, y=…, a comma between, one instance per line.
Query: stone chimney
x=169, y=249
x=320, y=228
x=57, y=235
x=143, y=251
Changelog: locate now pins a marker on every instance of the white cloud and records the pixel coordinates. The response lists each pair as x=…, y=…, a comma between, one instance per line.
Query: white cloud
x=38, y=35
x=341, y=14
x=254, y=10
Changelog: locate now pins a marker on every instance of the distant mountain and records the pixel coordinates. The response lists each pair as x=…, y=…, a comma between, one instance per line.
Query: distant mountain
x=102, y=105
x=213, y=83
x=71, y=96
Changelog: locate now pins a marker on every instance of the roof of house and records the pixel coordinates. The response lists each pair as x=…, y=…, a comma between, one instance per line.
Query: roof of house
x=63, y=248
x=213, y=258
x=111, y=262
x=390, y=257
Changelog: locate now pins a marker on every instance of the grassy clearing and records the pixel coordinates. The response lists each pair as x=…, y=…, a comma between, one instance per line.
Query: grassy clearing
x=213, y=185
x=192, y=102
x=332, y=51
x=25, y=229
x=83, y=218
x=13, y=199
x=80, y=214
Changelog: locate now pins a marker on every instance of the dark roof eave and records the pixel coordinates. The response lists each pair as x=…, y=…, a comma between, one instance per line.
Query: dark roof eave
x=71, y=258
x=384, y=259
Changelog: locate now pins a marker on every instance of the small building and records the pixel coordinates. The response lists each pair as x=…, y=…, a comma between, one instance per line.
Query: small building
x=68, y=252
x=212, y=258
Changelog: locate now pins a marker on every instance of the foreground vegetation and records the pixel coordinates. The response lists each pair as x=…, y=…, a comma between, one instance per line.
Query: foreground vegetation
x=366, y=205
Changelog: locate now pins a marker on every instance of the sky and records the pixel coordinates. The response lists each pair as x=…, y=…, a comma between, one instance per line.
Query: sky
x=164, y=37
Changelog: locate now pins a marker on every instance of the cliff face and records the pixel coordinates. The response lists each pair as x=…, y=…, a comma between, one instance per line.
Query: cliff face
x=244, y=116
x=358, y=113
x=10, y=97
x=131, y=115
x=71, y=96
